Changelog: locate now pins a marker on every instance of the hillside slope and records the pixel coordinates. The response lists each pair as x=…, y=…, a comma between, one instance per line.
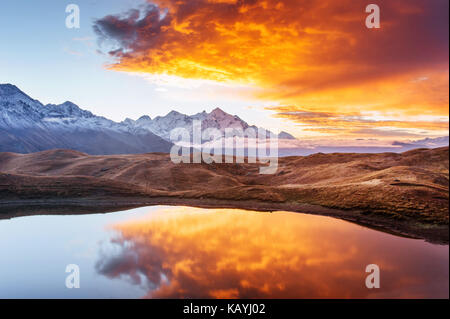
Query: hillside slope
x=409, y=187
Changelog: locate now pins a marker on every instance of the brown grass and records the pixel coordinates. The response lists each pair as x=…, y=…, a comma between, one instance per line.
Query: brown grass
x=411, y=186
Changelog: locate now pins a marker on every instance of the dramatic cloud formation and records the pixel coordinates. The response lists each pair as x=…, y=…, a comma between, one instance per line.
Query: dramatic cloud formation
x=315, y=55
x=192, y=253
x=365, y=125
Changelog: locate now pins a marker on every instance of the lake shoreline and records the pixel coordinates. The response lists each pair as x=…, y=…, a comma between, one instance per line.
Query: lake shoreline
x=436, y=234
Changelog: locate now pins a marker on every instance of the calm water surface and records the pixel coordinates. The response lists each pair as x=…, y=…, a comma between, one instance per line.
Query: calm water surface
x=182, y=252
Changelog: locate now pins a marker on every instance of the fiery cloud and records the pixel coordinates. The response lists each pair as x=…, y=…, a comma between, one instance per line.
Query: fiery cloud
x=315, y=55
x=193, y=253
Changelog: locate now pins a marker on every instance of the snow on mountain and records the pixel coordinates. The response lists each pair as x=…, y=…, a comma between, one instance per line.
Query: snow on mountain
x=11, y=95
x=218, y=119
x=18, y=109
x=26, y=125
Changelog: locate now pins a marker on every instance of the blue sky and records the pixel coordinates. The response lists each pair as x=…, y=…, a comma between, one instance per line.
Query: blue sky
x=53, y=64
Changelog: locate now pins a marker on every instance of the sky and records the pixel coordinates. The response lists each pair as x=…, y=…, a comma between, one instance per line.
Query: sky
x=308, y=67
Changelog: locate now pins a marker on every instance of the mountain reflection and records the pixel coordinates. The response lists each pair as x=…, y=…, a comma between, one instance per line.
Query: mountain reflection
x=195, y=253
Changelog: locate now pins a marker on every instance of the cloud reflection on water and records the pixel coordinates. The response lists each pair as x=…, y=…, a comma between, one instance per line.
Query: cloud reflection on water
x=195, y=253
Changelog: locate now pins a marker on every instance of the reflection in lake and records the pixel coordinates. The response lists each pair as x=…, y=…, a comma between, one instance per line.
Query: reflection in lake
x=192, y=253
x=181, y=252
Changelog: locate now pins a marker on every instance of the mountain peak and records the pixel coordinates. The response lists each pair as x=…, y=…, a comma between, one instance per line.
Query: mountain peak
x=8, y=90
x=128, y=121
x=68, y=103
x=286, y=136
x=173, y=113
x=145, y=118
x=69, y=109
x=11, y=94
x=218, y=112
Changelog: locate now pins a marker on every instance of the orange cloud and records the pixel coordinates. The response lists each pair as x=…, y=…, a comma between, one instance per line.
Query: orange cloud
x=316, y=55
x=223, y=253
x=359, y=124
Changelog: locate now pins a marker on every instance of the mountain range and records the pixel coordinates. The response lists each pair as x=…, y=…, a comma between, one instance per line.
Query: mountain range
x=27, y=125
x=218, y=119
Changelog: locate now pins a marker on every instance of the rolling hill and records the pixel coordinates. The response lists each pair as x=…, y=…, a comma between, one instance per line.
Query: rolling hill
x=406, y=193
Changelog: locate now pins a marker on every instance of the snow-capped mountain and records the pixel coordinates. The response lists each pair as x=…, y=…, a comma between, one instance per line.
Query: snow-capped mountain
x=427, y=142
x=27, y=125
x=218, y=119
